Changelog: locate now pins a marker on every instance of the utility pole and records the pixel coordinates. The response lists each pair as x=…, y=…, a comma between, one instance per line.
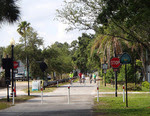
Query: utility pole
x=115, y=78
x=28, y=76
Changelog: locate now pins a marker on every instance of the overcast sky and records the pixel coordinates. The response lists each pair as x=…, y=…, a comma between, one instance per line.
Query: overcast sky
x=41, y=14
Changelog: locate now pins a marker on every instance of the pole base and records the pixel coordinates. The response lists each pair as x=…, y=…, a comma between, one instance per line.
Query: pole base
x=28, y=92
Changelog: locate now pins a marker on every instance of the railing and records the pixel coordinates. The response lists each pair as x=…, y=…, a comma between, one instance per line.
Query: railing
x=59, y=81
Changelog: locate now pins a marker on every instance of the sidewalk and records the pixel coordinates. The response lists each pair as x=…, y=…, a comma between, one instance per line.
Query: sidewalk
x=56, y=103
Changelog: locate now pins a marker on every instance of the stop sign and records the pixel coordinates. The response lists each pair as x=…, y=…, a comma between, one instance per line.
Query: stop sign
x=16, y=64
x=115, y=62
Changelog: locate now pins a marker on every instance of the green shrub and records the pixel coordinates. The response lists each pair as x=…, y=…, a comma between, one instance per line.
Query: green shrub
x=109, y=75
x=145, y=84
x=133, y=87
x=138, y=63
x=130, y=73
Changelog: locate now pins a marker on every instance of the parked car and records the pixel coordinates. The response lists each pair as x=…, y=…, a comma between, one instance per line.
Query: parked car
x=20, y=76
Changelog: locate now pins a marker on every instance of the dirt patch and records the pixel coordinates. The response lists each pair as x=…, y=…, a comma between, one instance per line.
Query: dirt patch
x=99, y=114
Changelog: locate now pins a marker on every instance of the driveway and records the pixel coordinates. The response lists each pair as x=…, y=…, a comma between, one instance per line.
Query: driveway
x=20, y=85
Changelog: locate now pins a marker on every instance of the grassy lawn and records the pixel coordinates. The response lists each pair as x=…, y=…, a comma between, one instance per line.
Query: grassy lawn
x=4, y=104
x=138, y=105
x=111, y=88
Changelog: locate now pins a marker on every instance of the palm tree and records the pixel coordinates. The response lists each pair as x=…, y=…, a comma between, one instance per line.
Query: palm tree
x=9, y=11
x=107, y=47
x=23, y=28
x=138, y=49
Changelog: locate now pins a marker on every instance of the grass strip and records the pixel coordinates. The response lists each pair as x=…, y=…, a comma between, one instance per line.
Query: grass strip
x=19, y=99
x=111, y=88
x=138, y=105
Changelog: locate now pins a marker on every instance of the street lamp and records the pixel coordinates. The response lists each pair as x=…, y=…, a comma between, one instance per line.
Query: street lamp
x=12, y=43
x=27, y=70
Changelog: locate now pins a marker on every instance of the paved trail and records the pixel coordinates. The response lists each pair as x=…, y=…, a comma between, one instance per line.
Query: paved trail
x=56, y=103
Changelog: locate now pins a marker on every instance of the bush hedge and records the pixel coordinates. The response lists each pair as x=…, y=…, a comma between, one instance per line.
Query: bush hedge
x=133, y=87
x=109, y=75
x=145, y=84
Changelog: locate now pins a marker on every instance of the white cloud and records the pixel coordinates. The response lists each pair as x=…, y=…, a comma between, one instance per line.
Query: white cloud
x=63, y=36
x=41, y=14
x=61, y=30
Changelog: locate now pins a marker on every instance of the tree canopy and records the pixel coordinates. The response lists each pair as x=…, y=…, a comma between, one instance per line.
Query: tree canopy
x=9, y=11
x=119, y=25
x=131, y=17
x=126, y=21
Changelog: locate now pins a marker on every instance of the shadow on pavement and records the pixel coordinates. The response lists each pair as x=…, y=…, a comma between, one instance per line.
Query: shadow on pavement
x=50, y=113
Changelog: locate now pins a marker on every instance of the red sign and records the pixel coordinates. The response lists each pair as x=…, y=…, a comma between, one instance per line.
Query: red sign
x=16, y=64
x=115, y=62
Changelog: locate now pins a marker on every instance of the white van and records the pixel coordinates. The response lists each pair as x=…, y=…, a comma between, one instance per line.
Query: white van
x=20, y=76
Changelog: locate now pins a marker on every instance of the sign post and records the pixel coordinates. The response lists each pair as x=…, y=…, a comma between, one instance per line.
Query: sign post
x=126, y=59
x=149, y=80
x=105, y=69
x=115, y=63
x=8, y=83
x=105, y=76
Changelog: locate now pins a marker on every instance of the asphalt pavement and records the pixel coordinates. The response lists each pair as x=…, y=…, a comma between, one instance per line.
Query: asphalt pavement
x=56, y=103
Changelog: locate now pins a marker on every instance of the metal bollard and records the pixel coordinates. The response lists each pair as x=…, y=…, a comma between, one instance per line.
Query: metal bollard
x=97, y=94
x=41, y=95
x=68, y=94
x=123, y=94
x=13, y=97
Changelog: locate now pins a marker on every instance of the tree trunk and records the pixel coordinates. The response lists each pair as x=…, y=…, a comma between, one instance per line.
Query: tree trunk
x=147, y=64
x=143, y=63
